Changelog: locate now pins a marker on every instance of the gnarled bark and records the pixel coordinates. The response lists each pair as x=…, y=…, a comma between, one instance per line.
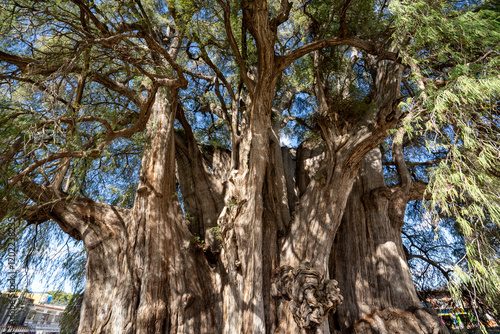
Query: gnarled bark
x=306, y=294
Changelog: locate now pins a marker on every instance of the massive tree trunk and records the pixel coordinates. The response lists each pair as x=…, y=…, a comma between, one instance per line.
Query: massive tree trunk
x=144, y=273
x=369, y=262
x=242, y=227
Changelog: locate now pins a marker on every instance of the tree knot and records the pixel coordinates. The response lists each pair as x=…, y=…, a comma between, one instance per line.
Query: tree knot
x=310, y=295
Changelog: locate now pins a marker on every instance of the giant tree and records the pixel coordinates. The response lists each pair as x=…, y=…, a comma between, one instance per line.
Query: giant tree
x=224, y=235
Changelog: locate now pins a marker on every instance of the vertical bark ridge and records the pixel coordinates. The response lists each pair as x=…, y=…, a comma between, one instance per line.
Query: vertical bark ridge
x=178, y=287
x=243, y=215
x=276, y=218
x=202, y=191
x=110, y=287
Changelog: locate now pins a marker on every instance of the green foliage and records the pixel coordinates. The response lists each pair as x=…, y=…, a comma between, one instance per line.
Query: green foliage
x=217, y=232
x=60, y=297
x=453, y=53
x=197, y=240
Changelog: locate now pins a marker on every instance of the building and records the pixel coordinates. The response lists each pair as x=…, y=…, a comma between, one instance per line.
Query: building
x=44, y=318
x=34, y=313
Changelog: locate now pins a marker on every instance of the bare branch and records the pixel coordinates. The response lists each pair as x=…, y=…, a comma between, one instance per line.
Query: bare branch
x=218, y=72
x=415, y=163
x=429, y=261
x=298, y=120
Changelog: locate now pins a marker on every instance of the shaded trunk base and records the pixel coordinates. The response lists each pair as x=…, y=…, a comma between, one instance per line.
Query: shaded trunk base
x=412, y=321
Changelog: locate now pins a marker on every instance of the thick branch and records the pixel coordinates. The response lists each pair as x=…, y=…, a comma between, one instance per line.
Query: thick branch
x=73, y=215
x=181, y=81
x=343, y=24
x=298, y=120
x=415, y=163
x=101, y=26
x=20, y=62
x=120, y=88
x=367, y=46
x=286, y=99
x=5, y=157
x=234, y=45
x=418, y=191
